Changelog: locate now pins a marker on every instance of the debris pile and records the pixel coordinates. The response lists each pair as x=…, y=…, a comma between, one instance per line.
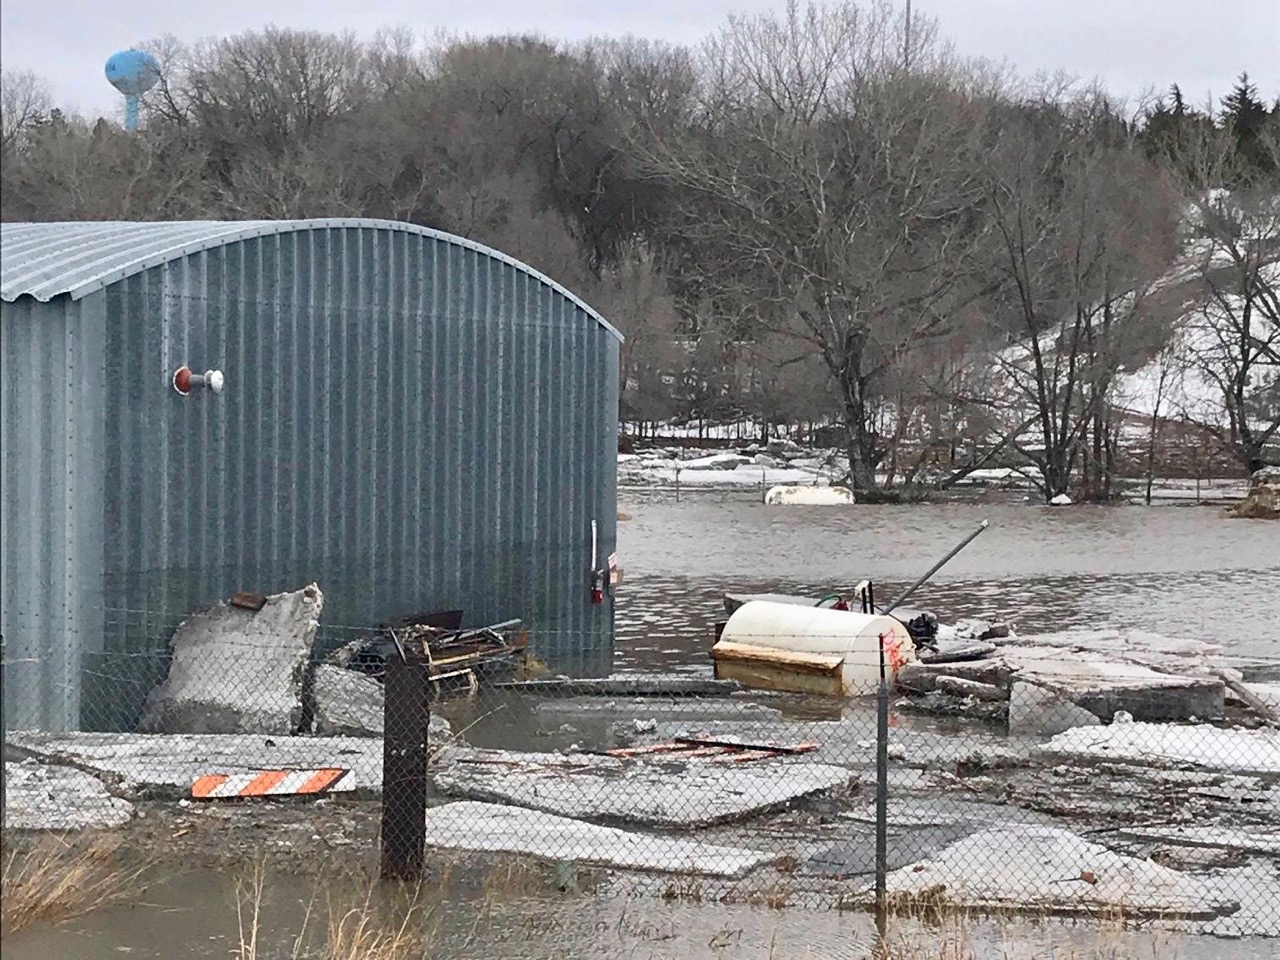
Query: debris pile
x=1262, y=502
x=1045, y=684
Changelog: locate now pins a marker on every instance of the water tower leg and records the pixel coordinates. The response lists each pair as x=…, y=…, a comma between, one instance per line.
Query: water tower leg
x=131, y=113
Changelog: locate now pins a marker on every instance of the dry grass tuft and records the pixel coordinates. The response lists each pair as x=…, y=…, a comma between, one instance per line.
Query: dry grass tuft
x=362, y=928
x=62, y=878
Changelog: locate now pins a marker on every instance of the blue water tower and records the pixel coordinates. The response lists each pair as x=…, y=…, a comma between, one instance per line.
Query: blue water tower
x=133, y=73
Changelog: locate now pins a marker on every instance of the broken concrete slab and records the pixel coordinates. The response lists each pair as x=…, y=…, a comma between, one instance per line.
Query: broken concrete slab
x=1045, y=869
x=1106, y=688
x=646, y=791
x=348, y=703
x=236, y=670
x=166, y=765
x=40, y=796
x=633, y=685
x=959, y=687
x=1196, y=745
x=1248, y=840
x=923, y=677
x=470, y=825
x=1037, y=712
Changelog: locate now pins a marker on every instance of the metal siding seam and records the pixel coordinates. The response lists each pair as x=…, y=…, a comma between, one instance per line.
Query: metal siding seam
x=69, y=705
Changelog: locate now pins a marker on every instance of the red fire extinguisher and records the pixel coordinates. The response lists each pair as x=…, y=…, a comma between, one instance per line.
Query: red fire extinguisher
x=597, y=587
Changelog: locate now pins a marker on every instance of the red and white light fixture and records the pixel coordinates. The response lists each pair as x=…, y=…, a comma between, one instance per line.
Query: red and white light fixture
x=184, y=381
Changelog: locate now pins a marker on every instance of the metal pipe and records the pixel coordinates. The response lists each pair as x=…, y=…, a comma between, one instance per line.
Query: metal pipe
x=936, y=567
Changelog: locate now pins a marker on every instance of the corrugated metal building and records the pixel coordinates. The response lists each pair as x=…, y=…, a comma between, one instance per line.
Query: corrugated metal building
x=409, y=419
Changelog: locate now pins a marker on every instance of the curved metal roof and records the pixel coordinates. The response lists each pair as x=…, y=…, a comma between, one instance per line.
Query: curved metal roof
x=46, y=260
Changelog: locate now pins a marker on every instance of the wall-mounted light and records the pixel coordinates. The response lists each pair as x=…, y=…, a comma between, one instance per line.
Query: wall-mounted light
x=184, y=381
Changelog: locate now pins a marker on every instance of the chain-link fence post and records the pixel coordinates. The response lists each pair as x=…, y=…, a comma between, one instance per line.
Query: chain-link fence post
x=406, y=716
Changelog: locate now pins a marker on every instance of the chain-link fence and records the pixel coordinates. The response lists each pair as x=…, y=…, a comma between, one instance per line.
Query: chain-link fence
x=1104, y=776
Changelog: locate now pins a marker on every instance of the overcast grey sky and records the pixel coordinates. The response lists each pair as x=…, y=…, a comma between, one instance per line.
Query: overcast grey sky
x=1129, y=44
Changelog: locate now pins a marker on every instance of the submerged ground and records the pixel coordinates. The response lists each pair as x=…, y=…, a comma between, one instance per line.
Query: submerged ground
x=1179, y=571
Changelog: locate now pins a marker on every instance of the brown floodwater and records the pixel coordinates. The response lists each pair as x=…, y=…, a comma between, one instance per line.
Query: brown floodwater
x=1178, y=571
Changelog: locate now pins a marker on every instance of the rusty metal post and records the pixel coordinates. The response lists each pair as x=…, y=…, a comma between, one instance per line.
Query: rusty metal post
x=404, y=766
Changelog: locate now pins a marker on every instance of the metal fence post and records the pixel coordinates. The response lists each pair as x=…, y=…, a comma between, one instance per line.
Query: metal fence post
x=882, y=794
x=404, y=766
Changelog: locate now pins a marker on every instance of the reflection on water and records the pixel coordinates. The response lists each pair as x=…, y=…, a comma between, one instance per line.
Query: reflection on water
x=1177, y=571
x=190, y=918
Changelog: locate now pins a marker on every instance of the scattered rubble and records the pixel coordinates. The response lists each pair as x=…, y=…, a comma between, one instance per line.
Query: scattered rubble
x=43, y=797
x=237, y=670
x=1045, y=869
x=635, y=791
x=469, y=825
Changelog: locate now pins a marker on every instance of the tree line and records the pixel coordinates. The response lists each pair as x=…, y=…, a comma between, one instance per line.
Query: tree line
x=821, y=215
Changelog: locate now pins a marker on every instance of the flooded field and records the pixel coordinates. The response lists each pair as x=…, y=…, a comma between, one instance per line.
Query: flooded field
x=1177, y=571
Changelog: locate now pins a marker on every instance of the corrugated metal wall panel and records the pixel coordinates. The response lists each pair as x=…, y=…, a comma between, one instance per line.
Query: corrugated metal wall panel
x=51, y=420
x=408, y=422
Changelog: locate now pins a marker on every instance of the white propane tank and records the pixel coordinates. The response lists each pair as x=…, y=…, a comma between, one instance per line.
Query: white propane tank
x=801, y=496
x=779, y=642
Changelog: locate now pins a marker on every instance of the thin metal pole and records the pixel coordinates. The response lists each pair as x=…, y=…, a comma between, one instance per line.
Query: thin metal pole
x=936, y=567
x=882, y=800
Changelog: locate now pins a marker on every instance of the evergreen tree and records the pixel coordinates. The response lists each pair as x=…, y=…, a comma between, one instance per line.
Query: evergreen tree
x=1246, y=116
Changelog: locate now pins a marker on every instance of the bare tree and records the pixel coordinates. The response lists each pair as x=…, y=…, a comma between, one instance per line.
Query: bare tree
x=1232, y=339
x=1086, y=231
x=829, y=195
x=25, y=101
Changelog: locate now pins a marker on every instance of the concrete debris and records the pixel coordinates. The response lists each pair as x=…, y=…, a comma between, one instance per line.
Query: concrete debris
x=634, y=791
x=1151, y=677
x=239, y=671
x=1037, y=712
x=923, y=677
x=491, y=827
x=1044, y=869
x=955, y=651
x=1105, y=688
x=166, y=765
x=43, y=797
x=1247, y=840
x=1200, y=746
x=350, y=704
x=959, y=687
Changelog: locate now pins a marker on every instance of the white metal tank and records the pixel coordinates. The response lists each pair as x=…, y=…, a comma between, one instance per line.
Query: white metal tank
x=784, y=646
